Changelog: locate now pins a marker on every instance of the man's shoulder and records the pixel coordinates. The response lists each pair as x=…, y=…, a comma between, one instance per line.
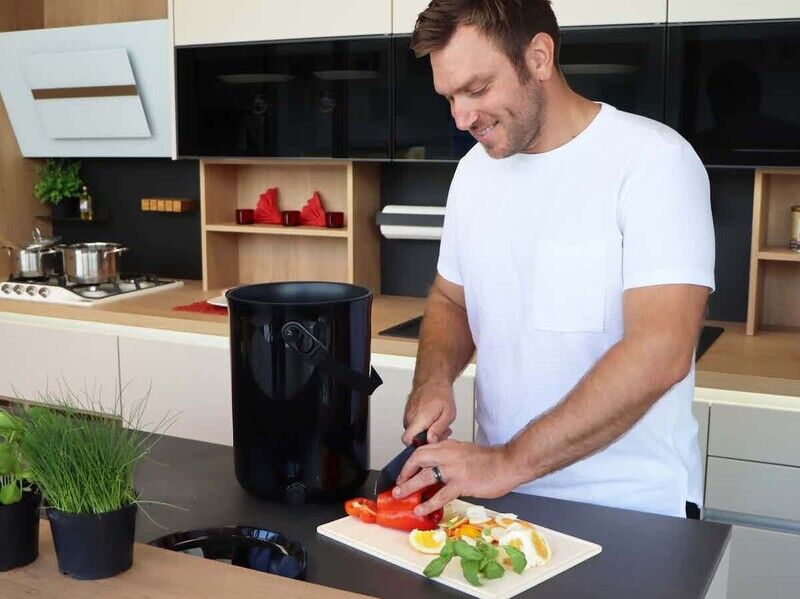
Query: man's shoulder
x=643, y=135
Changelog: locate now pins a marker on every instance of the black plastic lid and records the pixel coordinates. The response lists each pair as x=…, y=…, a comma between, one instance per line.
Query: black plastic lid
x=245, y=546
x=299, y=293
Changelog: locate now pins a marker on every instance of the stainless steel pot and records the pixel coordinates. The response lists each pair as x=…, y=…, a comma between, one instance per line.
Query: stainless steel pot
x=40, y=258
x=92, y=263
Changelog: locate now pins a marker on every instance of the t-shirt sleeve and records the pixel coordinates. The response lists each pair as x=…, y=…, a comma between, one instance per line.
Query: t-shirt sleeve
x=448, y=264
x=665, y=217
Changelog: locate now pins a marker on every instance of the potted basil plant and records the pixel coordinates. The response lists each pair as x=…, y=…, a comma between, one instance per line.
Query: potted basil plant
x=84, y=464
x=19, y=500
x=60, y=184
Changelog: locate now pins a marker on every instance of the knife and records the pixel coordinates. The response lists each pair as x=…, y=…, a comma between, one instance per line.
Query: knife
x=388, y=476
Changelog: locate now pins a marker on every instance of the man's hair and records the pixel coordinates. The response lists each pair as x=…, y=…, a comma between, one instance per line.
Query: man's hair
x=509, y=24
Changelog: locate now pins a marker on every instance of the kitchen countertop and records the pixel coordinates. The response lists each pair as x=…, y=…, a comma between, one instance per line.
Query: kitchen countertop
x=643, y=555
x=768, y=362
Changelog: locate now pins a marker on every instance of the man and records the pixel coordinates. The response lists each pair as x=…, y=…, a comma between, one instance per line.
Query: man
x=576, y=261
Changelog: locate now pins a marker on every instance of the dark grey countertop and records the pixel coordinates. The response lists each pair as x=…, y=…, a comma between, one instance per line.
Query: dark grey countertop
x=644, y=555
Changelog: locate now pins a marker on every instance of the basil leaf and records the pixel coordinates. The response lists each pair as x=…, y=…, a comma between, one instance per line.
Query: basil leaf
x=470, y=569
x=518, y=561
x=448, y=551
x=493, y=570
x=466, y=552
x=436, y=567
x=488, y=550
x=10, y=493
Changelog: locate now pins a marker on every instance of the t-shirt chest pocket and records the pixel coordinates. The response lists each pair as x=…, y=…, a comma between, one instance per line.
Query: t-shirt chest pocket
x=567, y=288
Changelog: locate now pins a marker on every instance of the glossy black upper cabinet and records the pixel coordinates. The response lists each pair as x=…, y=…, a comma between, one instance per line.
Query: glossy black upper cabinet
x=622, y=66
x=326, y=98
x=424, y=129
x=734, y=91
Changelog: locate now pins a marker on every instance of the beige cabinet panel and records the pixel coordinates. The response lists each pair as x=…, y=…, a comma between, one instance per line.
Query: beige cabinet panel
x=405, y=13
x=688, y=11
x=35, y=357
x=569, y=13
x=216, y=21
x=189, y=380
x=752, y=488
x=387, y=406
x=755, y=433
x=573, y=13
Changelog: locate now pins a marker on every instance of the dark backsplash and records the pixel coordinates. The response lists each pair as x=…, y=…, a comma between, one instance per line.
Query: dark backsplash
x=160, y=242
x=169, y=244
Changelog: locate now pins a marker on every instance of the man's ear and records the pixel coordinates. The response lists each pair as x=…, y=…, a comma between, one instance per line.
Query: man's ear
x=540, y=56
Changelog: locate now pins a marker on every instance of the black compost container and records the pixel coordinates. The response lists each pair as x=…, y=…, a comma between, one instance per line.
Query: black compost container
x=301, y=381
x=19, y=531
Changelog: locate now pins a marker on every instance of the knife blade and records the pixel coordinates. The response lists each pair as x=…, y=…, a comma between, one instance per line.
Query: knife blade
x=387, y=478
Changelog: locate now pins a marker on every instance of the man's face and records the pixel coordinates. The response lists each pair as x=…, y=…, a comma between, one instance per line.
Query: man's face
x=486, y=95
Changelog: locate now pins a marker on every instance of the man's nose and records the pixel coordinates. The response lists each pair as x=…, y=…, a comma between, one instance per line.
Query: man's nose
x=464, y=115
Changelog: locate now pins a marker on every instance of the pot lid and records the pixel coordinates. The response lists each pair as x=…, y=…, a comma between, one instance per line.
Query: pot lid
x=40, y=242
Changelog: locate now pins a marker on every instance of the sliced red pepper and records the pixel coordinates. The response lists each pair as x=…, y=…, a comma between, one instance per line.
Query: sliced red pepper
x=361, y=508
x=388, y=503
x=408, y=520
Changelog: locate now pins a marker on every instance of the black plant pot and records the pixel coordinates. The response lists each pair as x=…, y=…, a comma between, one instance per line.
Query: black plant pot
x=93, y=546
x=66, y=208
x=19, y=531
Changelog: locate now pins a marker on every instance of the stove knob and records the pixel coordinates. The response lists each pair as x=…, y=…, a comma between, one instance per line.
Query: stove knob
x=44, y=291
x=6, y=288
x=18, y=289
x=30, y=290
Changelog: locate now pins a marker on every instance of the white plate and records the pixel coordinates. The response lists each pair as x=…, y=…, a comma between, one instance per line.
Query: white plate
x=220, y=300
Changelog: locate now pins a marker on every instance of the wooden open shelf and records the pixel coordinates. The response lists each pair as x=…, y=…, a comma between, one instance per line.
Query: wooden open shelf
x=774, y=270
x=242, y=254
x=259, y=229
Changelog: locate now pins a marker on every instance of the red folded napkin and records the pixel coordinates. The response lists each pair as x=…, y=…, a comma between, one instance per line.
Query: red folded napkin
x=267, y=211
x=313, y=213
x=203, y=307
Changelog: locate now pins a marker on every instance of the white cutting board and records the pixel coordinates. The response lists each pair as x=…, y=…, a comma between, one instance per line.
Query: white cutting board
x=393, y=546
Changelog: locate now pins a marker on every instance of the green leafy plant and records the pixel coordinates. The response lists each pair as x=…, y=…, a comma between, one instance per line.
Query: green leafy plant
x=82, y=460
x=14, y=479
x=59, y=179
x=476, y=562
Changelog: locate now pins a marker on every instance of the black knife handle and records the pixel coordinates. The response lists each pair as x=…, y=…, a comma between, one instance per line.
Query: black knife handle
x=420, y=439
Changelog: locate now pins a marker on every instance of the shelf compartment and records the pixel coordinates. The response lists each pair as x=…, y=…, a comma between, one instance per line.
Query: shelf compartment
x=261, y=229
x=777, y=253
x=242, y=254
x=774, y=272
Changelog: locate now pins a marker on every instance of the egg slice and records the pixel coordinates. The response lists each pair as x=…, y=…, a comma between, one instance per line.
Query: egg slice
x=532, y=545
x=505, y=520
x=427, y=541
x=477, y=514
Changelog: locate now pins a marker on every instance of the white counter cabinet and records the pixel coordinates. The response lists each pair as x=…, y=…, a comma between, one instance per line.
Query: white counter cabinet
x=44, y=354
x=189, y=380
x=387, y=406
x=753, y=482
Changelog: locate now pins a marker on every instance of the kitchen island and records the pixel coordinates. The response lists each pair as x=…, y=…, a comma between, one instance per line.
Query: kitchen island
x=643, y=555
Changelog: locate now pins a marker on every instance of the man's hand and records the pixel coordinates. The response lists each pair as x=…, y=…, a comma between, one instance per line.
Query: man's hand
x=467, y=469
x=430, y=407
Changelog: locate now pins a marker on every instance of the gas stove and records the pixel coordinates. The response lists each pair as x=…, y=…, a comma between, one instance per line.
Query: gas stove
x=61, y=290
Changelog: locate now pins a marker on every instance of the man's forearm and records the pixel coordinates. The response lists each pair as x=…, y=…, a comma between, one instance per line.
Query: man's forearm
x=445, y=344
x=610, y=399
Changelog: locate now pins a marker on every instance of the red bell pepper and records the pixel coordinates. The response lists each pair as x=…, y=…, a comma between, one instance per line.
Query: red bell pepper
x=396, y=513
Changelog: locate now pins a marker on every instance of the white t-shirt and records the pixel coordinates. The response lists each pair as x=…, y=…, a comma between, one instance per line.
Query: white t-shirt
x=544, y=246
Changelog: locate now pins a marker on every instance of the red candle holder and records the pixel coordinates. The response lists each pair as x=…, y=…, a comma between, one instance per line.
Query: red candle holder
x=245, y=216
x=291, y=218
x=334, y=220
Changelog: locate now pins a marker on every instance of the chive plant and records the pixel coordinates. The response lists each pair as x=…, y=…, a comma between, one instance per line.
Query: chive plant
x=84, y=460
